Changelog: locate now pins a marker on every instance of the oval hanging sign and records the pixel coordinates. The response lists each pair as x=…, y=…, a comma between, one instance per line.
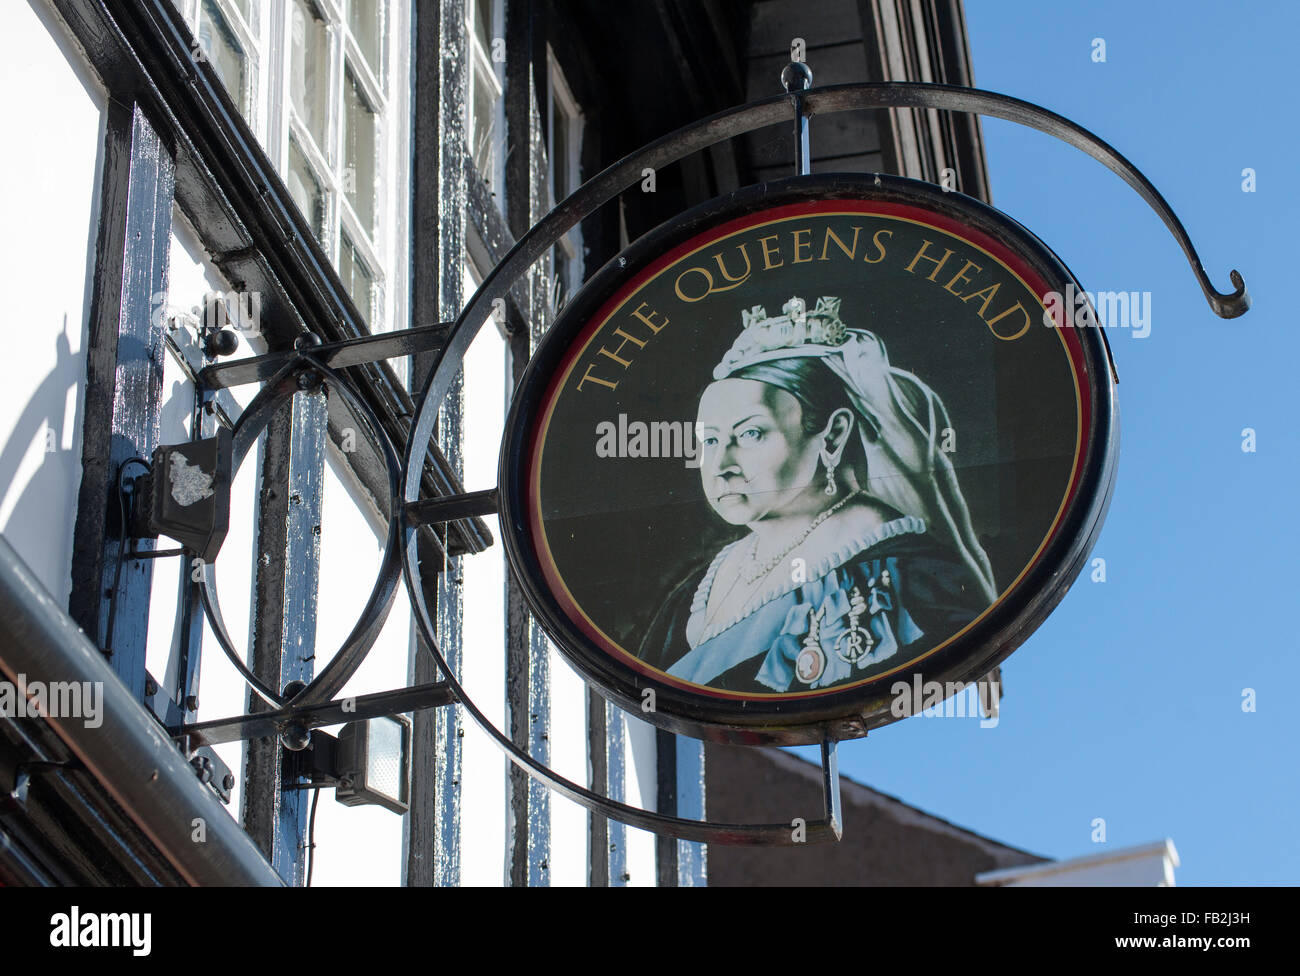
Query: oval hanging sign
x=804, y=450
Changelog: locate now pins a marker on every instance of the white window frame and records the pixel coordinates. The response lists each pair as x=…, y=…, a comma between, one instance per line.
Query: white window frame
x=269, y=110
x=249, y=34
x=326, y=161
x=482, y=66
x=559, y=92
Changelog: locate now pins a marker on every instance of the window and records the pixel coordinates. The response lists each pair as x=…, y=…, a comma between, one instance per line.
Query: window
x=224, y=51
x=309, y=63
x=563, y=150
x=483, y=98
x=305, y=188
x=226, y=34
x=333, y=127
x=357, y=278
x=359, y=144
x=366, y=21
x=316, y=81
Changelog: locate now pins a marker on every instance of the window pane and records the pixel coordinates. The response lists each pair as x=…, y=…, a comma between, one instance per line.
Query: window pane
x=483, y=24
x=484, y=117
x=560, y=281
x=357, y=278
x=245, y=8
x=306, y=189
x=559, y=151
x=364, y=18
x=309, y=70
x=222, y=50
x=359, y=153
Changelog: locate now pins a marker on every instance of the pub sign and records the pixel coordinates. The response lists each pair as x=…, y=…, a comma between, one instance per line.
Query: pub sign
x=804, y=445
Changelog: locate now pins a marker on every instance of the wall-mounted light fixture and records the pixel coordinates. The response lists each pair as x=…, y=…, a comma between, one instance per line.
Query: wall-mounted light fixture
x=369, y=762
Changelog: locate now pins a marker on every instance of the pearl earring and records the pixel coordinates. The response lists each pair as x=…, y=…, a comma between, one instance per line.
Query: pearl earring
x=831, y=464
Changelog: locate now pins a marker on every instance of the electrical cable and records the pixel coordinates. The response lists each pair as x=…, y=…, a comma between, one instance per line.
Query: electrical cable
x=107, y=642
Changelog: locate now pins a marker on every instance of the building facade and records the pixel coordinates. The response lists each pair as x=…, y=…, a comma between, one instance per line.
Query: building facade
x=295, y=171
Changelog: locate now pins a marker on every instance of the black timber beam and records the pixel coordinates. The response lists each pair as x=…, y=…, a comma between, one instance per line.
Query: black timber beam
x=527, y=182
x=439, y=205
x=289, y=502
x=124, y=378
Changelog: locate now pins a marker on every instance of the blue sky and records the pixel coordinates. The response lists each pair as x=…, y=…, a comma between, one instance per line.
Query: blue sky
x=1127, y=703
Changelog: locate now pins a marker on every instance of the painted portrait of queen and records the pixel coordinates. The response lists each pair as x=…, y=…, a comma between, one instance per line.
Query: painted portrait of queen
x=857, y=550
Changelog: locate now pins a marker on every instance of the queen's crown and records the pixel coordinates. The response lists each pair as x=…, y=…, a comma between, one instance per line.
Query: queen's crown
x=764, y=334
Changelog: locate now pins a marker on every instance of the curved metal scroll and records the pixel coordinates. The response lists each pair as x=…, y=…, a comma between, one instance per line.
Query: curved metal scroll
x=974, y=101
x=335, y=674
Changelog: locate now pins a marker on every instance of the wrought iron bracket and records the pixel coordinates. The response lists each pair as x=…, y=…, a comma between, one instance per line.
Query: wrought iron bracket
x=450, y=342
x=305, y=371
x=275, y=721
x=619, y=177
x=430, y=511
x=336, y=355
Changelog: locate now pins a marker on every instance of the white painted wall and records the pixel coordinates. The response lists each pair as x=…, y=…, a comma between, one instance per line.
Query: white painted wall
x=483, y=767
x=49, y=195
x=569, y=863
x=356, y=845
x=642, y=791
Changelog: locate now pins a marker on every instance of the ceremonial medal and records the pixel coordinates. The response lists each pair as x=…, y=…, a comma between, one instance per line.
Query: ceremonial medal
x=811, y=662
x=854, y=644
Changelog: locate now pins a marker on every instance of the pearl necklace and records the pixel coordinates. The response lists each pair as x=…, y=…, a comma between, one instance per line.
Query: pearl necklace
x=772, y=563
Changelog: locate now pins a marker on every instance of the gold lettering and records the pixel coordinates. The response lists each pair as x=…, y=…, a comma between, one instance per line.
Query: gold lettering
x=832, y=236
x=997, y=318
x=595, y=379
x=961, y=276
x=710, y=287
x=768, y=252
x=736, y=280
x=938, y=262
x=677, y=285
x=625, y=363
x=875, y=239
x=648, y=319
x=806, y=231
x=987, y=294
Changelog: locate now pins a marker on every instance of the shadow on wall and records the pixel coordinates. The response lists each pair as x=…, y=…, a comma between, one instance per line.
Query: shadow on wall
x=41, y=516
